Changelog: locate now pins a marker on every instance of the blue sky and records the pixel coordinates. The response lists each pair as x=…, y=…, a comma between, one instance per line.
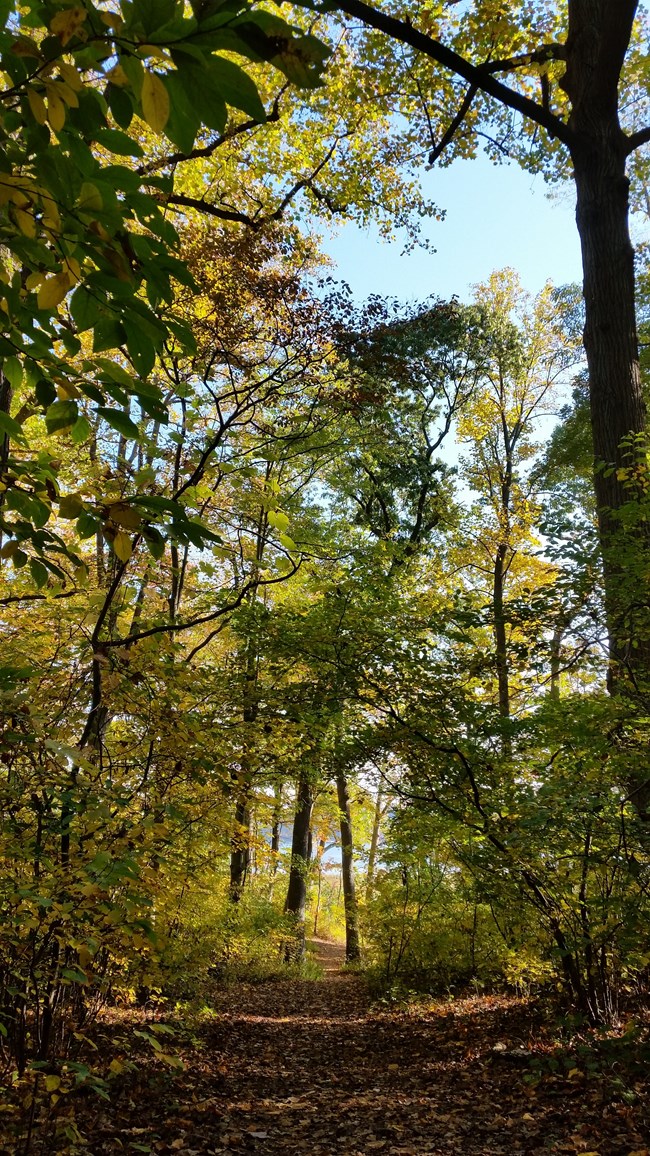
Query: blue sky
x=497, y=215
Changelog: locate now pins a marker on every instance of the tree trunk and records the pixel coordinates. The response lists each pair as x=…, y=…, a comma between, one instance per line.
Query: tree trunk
x=240, y=849
x=352, y=949
x=296, y=901
x=500, y=637
x=556, y=649
x=374, y=842
x=599, y=33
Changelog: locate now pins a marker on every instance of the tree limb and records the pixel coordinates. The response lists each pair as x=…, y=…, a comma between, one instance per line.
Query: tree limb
x=475, y=74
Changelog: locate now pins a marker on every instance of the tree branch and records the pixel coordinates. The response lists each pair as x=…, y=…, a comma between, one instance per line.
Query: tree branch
x=455, y=124
x=636, y=139
x=477, y=75
x=174, y=627
x=204, y=151
x=542, y=55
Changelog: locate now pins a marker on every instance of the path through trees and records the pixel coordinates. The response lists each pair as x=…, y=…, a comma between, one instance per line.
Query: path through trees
x=300, y=1066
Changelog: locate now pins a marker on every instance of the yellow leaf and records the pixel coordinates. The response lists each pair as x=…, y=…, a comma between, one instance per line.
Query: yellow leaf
x=123, y=514
x=52, y=1083
x=67, y=23
x=90, y=198
x=116, y=1066
x=118, y=76
x=37, y=105
x=69, y=73
x=55, y=109
x=122, y=546
x=152, y=50
x=155, y=101
x=18, y=198
x=73, y=269
x=25, y=222
x=67, y=94
x=67, y=391
x=53, y=290
x=111, y=20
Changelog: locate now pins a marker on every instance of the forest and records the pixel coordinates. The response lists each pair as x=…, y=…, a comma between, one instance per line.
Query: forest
x=325, y=677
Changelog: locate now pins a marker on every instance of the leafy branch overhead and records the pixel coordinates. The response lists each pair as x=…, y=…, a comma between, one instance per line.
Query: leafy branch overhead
x=90, y=257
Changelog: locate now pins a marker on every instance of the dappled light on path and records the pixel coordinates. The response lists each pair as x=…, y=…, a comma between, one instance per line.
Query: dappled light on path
x=312, y=1068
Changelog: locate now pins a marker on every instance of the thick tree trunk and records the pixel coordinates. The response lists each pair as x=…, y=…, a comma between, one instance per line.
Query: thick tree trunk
x=352, y=948
x=296, y=901
x=599, y=33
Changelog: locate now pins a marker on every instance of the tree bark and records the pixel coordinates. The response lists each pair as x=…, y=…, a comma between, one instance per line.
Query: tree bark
x=599, y=34
x=296, y=901
x=352, y=948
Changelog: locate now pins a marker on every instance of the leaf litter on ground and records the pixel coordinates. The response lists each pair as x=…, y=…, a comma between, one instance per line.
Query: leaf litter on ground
x=314, y=1067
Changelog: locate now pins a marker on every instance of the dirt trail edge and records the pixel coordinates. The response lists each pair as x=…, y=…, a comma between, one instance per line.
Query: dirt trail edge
x=311, y=1067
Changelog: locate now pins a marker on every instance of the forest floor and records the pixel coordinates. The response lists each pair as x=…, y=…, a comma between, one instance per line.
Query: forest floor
x=297, y=1067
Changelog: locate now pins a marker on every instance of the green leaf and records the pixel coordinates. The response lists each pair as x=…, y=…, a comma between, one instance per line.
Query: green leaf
x=31, y=507
x=120, y=422
x=87, y=526
x=184, y=115
x=141, y=349
x=119, y=143
x=278, y=520
x=236, y=87
x=120, y=104
x=196, y=78
x=12, y=428
x=108, y=334
x=80, y=431
x=39, y=572
x=70, y=506
x=116, y=372
x=13, y=372
x=74, y=974
x=60, y=415
x=157, y=503
x=85, y=308
x=155, y=542
x=151, y=14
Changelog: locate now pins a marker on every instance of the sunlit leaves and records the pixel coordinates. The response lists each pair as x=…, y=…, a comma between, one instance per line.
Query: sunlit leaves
x=155, y=101
x=58, y=180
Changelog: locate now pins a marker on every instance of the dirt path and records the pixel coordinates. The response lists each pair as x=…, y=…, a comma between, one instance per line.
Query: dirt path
x=304, y=1068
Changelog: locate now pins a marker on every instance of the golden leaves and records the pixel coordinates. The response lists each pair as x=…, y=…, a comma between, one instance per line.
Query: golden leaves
x=67, y=24
x=122, y=546
x=37, y=106
x=155, y=101
x=53, y=290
